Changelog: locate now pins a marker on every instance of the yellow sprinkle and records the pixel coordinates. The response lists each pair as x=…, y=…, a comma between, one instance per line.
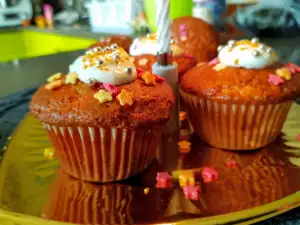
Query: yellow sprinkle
x=54, y=84
x=186, y=178
x=71, y=78
x=103, y=96
x=149, y=78
x=284, y=73
x=146, y=191
x=219, y=67
x=49, y=153
x=54, y=77
x=236, y=61
x=125, y=98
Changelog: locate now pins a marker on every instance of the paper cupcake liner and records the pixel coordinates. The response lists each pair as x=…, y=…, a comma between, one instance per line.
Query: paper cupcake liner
x=103, y=154
x=80, y=202
x=235, y=126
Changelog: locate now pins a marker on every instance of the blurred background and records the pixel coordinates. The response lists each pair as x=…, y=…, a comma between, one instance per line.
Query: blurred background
x=26, y=25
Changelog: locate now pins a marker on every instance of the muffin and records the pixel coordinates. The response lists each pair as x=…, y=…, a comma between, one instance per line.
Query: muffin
x=121, y=40
x=239, y=101
x=104, y=118
x=196, y=37
x=144, y=52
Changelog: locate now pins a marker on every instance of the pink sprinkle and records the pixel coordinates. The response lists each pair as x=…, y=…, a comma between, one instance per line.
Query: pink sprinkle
x=209, y=174
x=163, y=179
x=293, y=68
x=214, y=61
x=192, y=192
x=139, y=72
x=232, y=164
x=111, y=88
x=159, y=79
x=182, y=27
x=275, y=80
x=298, y=137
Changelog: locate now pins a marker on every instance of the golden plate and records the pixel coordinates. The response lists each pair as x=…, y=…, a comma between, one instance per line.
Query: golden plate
x=266, y=183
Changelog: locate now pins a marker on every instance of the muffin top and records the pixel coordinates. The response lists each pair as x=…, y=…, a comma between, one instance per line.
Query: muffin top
x=196, y=37
x=149, y=46
x=184, y=62
x=121, y=40
x=245, y=71
x=104, y=89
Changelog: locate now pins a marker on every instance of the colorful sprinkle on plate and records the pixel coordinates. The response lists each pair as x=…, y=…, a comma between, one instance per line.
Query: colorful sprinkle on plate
x=163, y=180
x=184, y=146
x=186, y=178
x=232, y=164
x=192, y=192
x=209, y=174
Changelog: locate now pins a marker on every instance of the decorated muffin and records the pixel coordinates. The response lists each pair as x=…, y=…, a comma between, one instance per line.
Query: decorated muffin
x=105, y=117
x=121, y=40
x=196, y=37
x=239, y=101
x=144, y=51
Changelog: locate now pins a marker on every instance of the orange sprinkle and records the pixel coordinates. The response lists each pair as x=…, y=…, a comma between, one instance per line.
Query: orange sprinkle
x=125, y=98
x=184, y=146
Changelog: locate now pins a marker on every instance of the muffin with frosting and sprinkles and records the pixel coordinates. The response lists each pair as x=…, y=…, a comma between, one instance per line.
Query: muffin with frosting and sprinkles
x=105, y=117
x=239, y=100
x=144, y=53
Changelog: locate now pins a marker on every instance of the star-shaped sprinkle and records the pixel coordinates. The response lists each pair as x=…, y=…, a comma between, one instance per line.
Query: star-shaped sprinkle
x=149, y=78
x=182, y=116
x=293, y=68
x=125, y=98
x=219, y=67
x=143, y=62
x=209, y=174
x=184, y=146
x=284, y=73
x=49, y=153
x=275, y=80
x=214, y=61
x=71, y=78
x=186, y=178
x=54, y=77
x=54, y=85
x=163, y=180
x=192, y=192
x=103, y=96
x=232, y=164
x=298, y=137
x=112, y=89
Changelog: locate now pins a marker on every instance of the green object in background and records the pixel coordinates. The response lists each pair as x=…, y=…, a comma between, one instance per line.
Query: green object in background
x=27, y=44
x=178, y=8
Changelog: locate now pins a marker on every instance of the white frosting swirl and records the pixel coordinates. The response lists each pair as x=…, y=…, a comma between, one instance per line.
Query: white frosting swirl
x=112, y=69
x=149, y=45
x=247, y=54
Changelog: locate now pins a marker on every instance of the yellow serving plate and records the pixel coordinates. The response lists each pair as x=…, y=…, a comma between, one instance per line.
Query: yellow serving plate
x=27, y=44
x=266, y=183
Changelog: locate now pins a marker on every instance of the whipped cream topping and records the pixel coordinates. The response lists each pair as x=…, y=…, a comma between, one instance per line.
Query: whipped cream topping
x=250, y=54
x=110, y=65
x=149, y=45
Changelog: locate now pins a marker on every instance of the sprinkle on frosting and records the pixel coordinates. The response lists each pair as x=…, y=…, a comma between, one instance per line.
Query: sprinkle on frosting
x=149, y=45
x=209, y=174
x=105, y=65
x=54, y=84
x=186, y=178
x=71, y=78
x=192, y=192
x=149, y=78
x=125, y=98
x=184, y=146
x=275, y=80
x=219, y=67
x=284, y=73
x=249, y=54
x=163, y=180
x=54, y=77
x=103, y=96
